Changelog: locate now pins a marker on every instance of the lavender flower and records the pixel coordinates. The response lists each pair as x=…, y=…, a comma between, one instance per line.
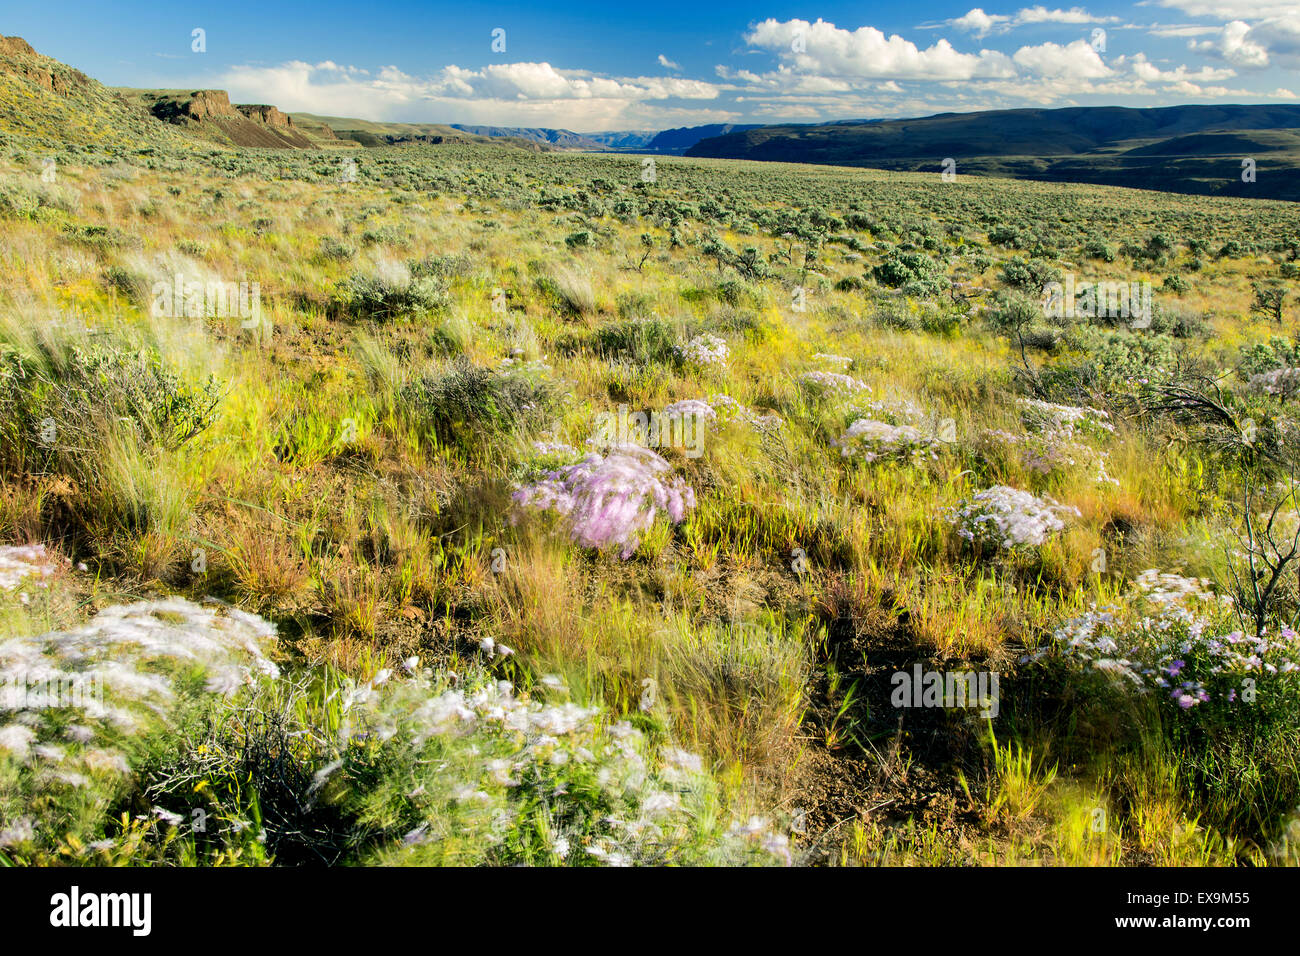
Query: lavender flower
x=1160, y=636
x=611, y=500
x=1282, y=382
x=1052, y=440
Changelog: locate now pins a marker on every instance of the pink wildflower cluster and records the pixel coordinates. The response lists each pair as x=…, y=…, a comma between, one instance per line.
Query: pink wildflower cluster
x=611, y=500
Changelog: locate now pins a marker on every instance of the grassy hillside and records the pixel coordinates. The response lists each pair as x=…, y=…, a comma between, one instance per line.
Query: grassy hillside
x=472, y=614
x=47, y=104
x=43, y=101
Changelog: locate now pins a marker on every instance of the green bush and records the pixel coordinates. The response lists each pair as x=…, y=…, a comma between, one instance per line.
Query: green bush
x=642, y=340
x=1029, y=275
x=465, y=403
x=1099, y=249
x=914, y=272
x=337, y=250
x=388, y=297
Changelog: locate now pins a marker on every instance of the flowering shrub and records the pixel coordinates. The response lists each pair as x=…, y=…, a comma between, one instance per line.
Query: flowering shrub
x=492, y=775
x=1008, y=518
x=690, y=408
x=556, y=449
x=704, y=350
x=522, y=366
x=18, y=563
x=872, y=440
x=609, y=501
x=893, y=410
x=1282, y=382
x=1227, y=702
x=430, y=767
x=729, y=410
x=842, y=360
x=1062, y=421
x=1162, y=638
x=75, y=704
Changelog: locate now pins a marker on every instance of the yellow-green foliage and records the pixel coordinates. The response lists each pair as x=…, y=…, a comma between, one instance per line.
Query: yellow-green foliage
x=330, y=495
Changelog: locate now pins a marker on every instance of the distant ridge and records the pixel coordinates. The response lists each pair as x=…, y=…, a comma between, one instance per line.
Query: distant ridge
x=1225, y=150
x=560, y=138
x=1195, y=149
x=665, y=141
x=682, y=138
x=373, y=133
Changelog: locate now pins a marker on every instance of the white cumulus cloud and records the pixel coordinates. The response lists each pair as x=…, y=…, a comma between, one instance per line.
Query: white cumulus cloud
x=866, y=52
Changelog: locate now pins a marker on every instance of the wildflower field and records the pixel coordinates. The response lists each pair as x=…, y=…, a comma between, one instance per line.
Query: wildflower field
x=486, y=506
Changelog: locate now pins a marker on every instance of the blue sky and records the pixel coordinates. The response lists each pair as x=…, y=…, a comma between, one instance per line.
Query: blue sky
x=654, y=64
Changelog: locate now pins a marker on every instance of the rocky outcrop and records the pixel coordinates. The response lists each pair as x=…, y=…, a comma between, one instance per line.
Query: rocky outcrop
x=16, y=46
x=18, y=57
x=199, y=106
x=44, y=100
x=249, y=124
x=265, y=114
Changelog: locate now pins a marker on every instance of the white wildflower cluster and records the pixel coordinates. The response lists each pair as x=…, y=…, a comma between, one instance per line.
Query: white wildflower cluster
x=1189, y=601
x=1161, y=637
x=759, y=831
x=521, y=366
x=893, y=427
x=897, y=410
x=1053, y=437
x=22, y=562
x=873, y=440
x=484, y=755
x=1008, y=517
x=833, y=383
x=704, y=350
x=1284, y=383
x=611, y=500
x=68, y=698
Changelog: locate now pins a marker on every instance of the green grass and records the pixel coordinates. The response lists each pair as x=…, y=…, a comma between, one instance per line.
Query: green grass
x=345, y=467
